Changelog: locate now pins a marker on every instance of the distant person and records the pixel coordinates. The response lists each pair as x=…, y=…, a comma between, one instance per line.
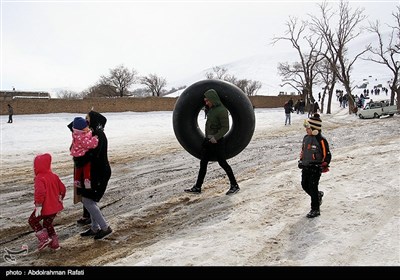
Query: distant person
x=310, y=109
x=10, y=113
x=315, y=158
x=82, y=142
x=288, y=111
x=297, y=106
x=291, y=103
x=49, y=193
x=217, y=125
x=302, y=106
x=315, y=107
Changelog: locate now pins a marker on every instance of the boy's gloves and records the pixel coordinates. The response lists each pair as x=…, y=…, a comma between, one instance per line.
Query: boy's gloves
x=324, y=167
x=38, y=211
x=300, y=164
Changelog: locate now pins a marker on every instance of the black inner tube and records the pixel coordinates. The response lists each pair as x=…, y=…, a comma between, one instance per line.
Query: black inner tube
x=189, y=105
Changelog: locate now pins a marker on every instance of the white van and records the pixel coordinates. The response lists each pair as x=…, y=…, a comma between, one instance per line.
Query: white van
x=377, y=109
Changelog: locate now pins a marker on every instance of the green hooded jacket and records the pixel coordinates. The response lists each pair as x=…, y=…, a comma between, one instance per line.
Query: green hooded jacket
x=217, y=123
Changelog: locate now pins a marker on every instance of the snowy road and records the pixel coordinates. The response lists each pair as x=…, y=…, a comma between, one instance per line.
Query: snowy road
x=156, y=223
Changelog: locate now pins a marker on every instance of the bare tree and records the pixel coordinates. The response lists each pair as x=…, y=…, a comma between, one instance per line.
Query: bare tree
x=154, y=84
x=249, y=87
x=121, y=78
x=301, y=75
x=388, y=53
x=100, y=90
x=231, y=79
x=242, y=84
x=252, y=87
x=337, y=40
x=69, y=94
x=218, y=73
x=328, y=77
x=209, y=75
x=292, y=76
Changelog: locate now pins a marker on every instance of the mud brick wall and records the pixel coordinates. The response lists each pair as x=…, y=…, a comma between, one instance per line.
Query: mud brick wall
x=272, y=101
x=44, y=106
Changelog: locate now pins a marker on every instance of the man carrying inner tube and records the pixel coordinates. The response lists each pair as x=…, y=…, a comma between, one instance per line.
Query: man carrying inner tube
x=217, y=125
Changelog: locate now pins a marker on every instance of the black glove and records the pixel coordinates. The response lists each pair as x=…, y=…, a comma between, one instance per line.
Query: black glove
x=300, y=164
x=324, y=167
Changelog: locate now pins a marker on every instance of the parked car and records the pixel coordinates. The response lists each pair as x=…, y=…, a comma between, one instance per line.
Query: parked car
x=377, y=109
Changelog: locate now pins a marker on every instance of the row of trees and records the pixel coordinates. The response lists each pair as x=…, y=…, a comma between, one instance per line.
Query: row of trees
x=120, y=79
x=249, y=87
x=322, y=44
x=118, y=83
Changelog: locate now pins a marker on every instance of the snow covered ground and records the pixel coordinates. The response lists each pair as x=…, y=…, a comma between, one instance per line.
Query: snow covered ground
x=156, y=224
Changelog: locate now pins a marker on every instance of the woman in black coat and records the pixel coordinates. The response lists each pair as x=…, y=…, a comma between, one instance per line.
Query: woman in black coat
x=100, y=173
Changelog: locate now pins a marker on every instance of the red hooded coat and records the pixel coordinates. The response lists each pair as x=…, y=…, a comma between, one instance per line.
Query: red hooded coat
x=49, y=190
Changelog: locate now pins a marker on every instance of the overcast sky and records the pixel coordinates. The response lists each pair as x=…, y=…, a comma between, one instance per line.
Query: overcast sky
x=56, y=44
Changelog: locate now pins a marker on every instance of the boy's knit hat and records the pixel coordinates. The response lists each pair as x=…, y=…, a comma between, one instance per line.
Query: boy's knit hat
x=79, y=123
x=315, y=122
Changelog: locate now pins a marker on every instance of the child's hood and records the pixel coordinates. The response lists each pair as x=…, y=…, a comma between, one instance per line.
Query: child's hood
x=42, y=163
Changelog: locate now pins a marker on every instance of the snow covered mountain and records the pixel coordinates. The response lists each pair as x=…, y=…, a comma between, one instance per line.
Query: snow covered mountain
x=263, y=68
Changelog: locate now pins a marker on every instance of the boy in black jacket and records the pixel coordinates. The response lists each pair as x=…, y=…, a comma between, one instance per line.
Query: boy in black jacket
x=315, y=157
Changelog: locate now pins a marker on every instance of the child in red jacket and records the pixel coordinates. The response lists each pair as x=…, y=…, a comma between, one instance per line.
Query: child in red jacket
x=49, y=193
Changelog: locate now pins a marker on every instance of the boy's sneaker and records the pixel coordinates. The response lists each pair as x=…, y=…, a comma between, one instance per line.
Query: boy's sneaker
x=102, y=233
x=90, y=232
x=320, y=195
x=233, y=189
x=313, y=214
x=194, y=189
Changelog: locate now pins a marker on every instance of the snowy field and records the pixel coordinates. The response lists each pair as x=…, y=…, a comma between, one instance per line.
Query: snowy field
x=156, y=224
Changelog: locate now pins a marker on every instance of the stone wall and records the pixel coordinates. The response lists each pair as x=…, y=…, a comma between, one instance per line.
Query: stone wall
x=145, y=104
